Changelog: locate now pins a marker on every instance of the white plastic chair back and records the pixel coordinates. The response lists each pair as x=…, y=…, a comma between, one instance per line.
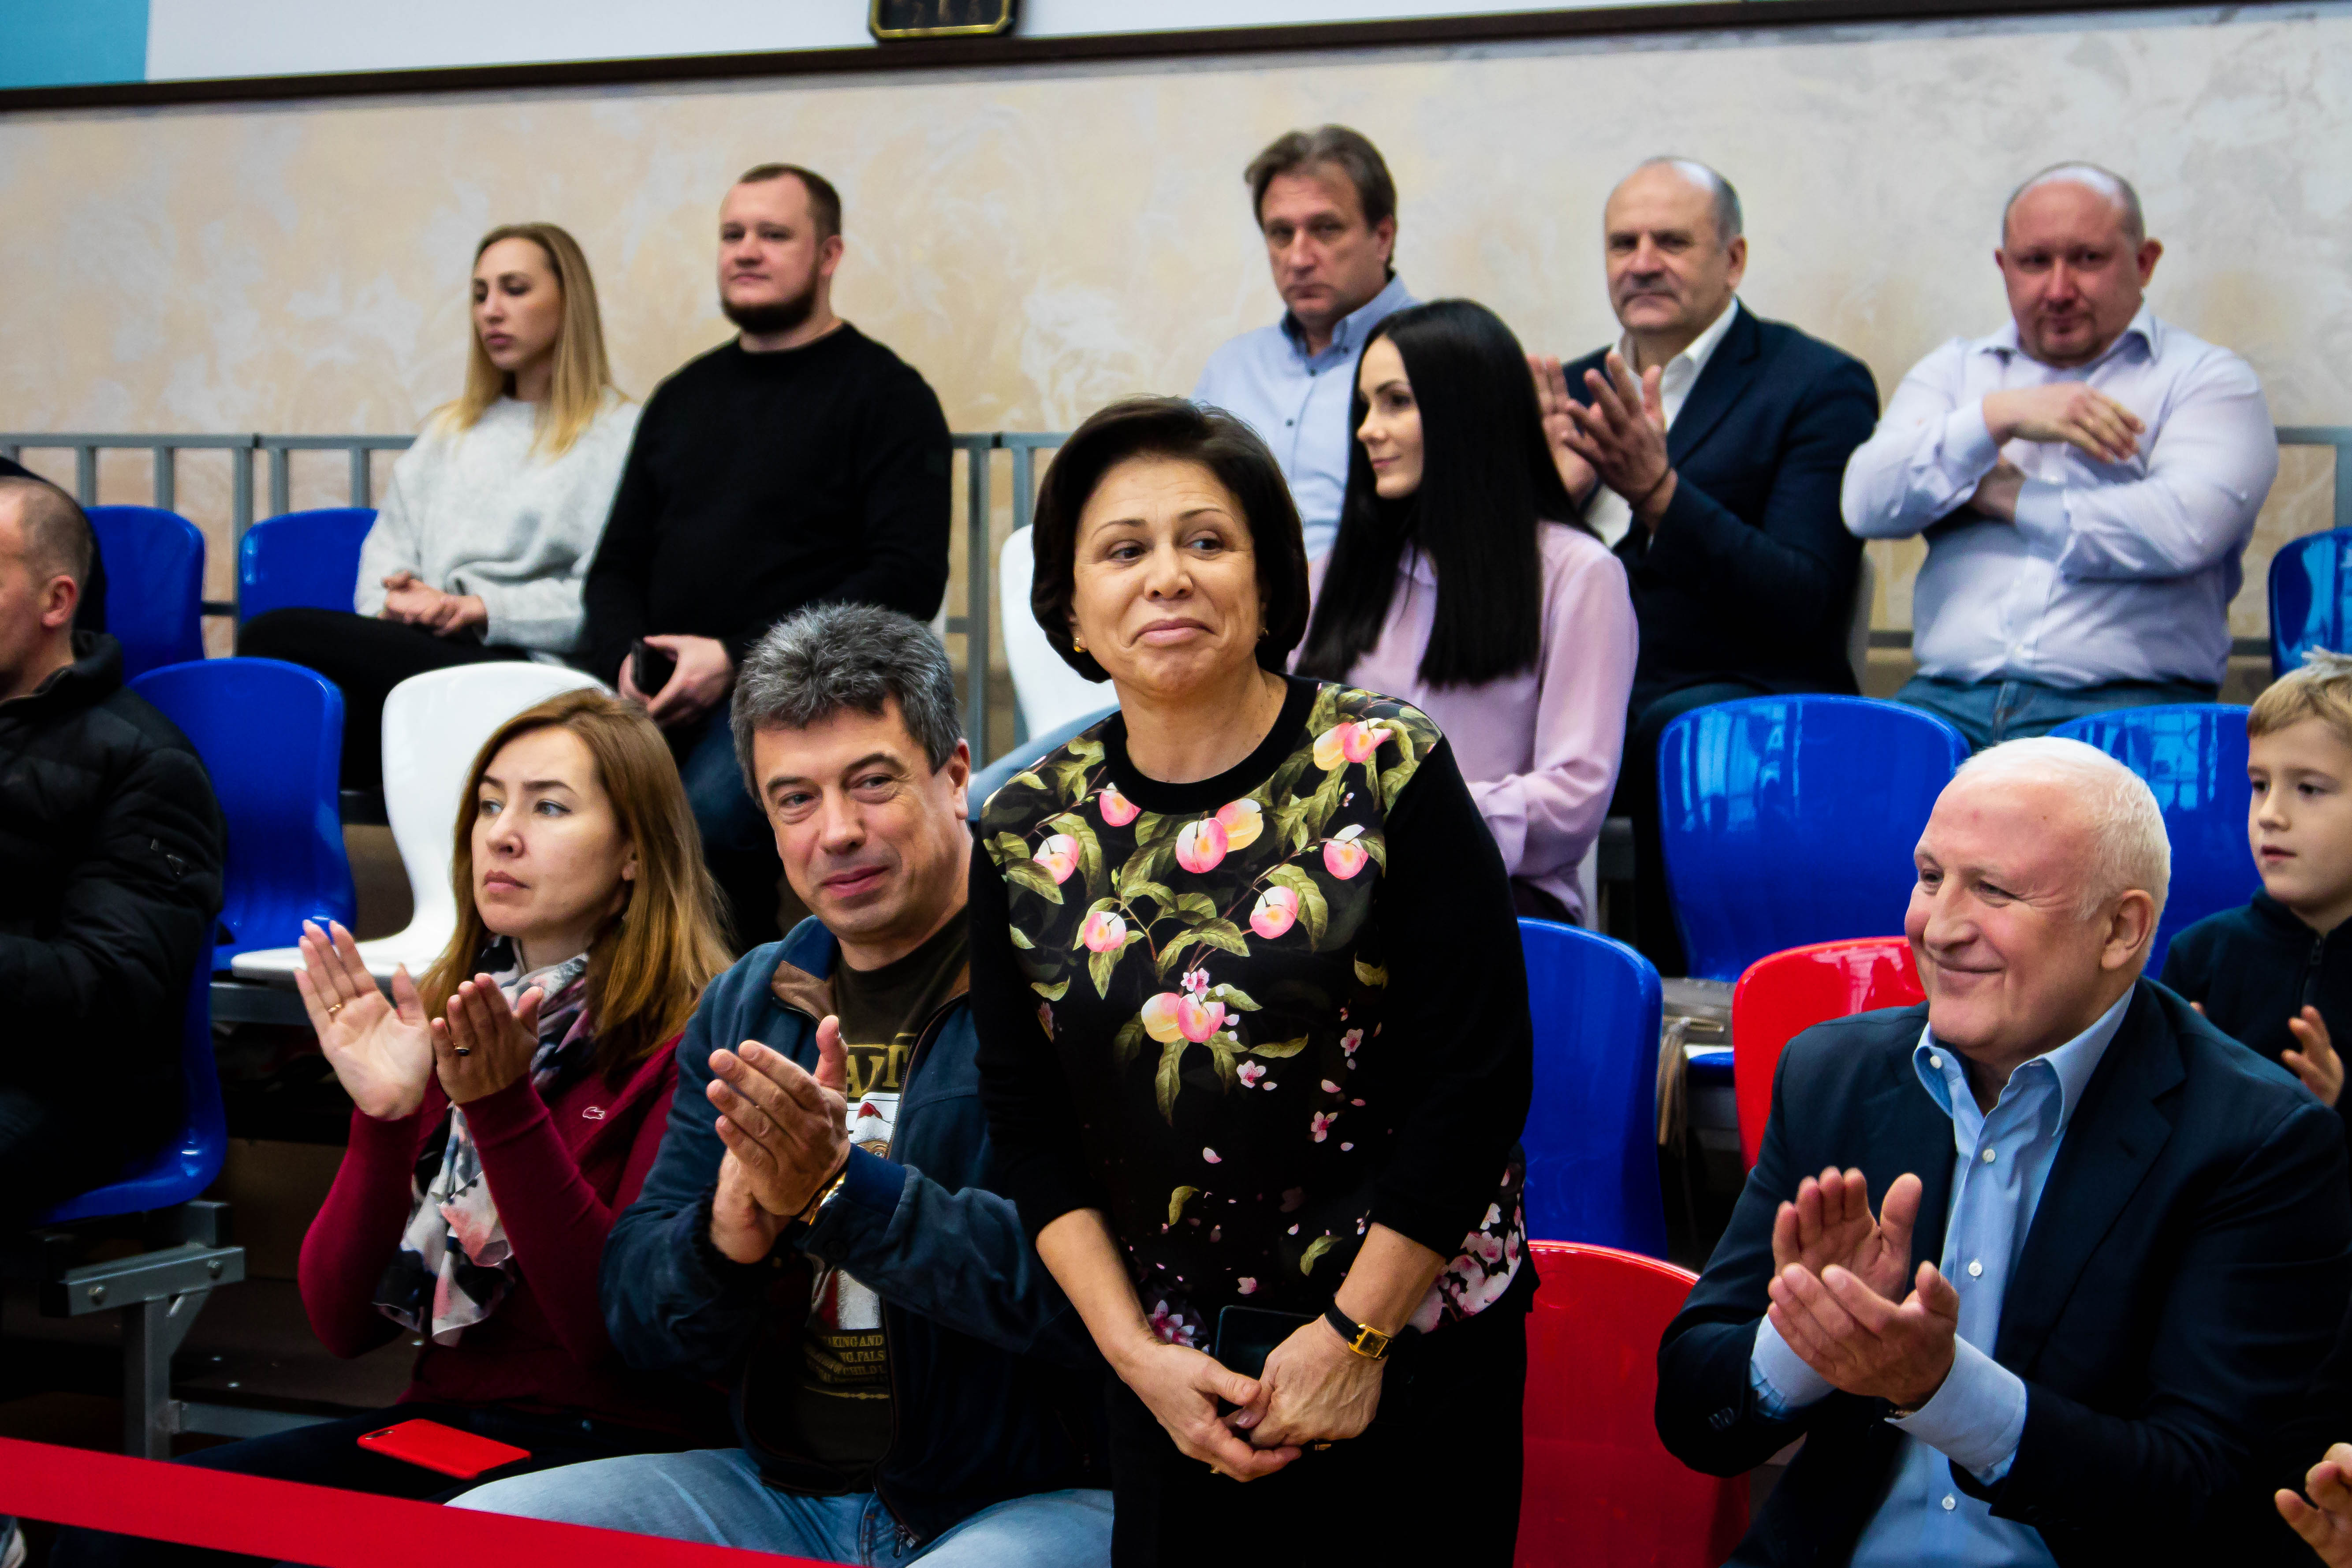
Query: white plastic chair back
x=1857, y=635
x=1050, y=692
x=433, y=725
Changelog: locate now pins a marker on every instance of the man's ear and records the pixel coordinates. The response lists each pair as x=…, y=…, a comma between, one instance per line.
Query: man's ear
x=1385, y=232
x=59, y=598
x=2129, y=929
x=958, y=768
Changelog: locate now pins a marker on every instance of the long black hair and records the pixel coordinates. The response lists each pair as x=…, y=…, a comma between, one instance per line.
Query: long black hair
x=1487, y=483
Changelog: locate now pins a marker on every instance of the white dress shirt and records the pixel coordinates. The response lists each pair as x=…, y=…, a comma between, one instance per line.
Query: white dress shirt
x=2112, y=570
x=1611, y=514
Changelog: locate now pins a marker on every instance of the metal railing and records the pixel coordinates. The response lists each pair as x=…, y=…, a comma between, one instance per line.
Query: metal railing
x=977, y=623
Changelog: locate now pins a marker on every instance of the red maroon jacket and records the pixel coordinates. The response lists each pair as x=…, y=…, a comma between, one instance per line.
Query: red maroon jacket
x=560, y=1173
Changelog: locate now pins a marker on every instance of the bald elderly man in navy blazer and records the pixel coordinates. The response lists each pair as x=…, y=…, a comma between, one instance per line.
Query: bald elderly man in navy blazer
x=2113, y=1245
x=1706, y=448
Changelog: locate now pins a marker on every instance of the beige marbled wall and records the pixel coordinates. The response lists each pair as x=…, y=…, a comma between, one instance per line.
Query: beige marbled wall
x=1040, y=241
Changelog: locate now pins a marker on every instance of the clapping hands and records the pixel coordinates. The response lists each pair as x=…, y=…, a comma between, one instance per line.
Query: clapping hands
x=381, y=1050
x=1837, y=1291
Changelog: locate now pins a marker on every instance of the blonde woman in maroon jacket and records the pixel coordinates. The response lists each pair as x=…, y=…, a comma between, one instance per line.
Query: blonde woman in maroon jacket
x=504, y=1111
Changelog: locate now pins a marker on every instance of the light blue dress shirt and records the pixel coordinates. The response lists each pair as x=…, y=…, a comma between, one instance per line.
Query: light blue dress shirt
x=2002, y=1159
x=1298, y=404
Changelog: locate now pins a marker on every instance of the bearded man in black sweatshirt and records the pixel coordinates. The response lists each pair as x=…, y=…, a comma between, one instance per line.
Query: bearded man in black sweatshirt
x=802, y=462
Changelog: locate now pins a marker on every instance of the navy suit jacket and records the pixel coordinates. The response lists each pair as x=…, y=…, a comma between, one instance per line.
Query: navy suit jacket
x=1751, y=573
x=2186, y=1269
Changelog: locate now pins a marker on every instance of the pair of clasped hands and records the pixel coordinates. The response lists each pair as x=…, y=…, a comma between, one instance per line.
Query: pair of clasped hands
x=384, y=1051
x=1845, y=1297
x=413, y=602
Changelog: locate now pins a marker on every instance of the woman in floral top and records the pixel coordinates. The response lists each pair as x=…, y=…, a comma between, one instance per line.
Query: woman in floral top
x=1253, y=1033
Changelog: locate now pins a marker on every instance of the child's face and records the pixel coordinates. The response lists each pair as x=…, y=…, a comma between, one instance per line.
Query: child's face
x=2300, y=822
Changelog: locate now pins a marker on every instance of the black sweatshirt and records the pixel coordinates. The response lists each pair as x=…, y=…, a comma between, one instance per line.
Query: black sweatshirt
x=1248, y=1017
x=761, y=482
x=2251, y=969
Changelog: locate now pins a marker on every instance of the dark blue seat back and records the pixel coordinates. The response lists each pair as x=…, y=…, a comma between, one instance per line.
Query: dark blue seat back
x=987, y=781
x=2311, y=581
x=1790, y=820
x=310, y=559
x=1591, y=1139
x=155, y=585
x=271, y=735
x=2193, y=756
x=187, y=1165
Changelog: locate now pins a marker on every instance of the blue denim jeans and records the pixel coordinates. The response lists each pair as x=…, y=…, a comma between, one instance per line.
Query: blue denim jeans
x=1990, y=712
x=738, y=844
x=716, y=1496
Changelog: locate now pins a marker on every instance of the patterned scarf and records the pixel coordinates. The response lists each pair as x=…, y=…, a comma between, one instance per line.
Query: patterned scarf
x=455, y=1251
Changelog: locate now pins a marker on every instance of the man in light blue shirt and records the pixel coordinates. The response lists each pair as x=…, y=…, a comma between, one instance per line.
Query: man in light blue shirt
x=2086, y=478
x=2113, y=1243
x=1328, y=209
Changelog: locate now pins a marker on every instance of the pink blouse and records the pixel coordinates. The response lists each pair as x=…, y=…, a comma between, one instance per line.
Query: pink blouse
x=1540, y=748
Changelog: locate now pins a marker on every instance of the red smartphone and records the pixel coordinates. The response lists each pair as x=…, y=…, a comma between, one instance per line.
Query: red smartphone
x=443, y=1448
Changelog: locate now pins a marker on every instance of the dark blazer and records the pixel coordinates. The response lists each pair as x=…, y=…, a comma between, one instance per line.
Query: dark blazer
x=1751, y=573
x=2185, y=1270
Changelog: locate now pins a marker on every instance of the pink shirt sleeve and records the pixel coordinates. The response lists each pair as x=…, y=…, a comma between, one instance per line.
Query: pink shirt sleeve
x=1546, y=819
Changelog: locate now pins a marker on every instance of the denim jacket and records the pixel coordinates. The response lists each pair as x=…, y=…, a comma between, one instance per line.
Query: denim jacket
x=995, y=1385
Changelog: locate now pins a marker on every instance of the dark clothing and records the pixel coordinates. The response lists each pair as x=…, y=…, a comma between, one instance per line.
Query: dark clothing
x=738, y=843
x=328, y=1455
x=2186, y=1269
x=1655, y=935
x=365, y=657
x=995, y=1380
x=89, y=613
x=1164, y=1040
x=2251, y=969
x=110, y=854
x=761, y=482
x=1435, y=1479
x=1750, y=575
x=883, y=1011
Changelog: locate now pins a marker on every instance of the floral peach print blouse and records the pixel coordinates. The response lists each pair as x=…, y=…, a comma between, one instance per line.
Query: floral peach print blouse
x=1251, y=1016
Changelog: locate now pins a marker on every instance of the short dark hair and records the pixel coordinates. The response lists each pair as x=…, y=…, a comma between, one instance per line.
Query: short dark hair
x=825, y=202
x=59, y=540
x=1186, y=432
x=830, y=658
x=1350, y=151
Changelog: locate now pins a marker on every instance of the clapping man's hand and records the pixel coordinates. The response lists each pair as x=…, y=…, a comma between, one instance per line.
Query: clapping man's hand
x=1829, y=1222
x=1838, y=1274
x=787, y=1134
x=1622, y=433
x=2326, y=1522
x=1553, y=401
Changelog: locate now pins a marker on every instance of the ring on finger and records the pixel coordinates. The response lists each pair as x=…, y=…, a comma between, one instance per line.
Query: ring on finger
x=335, y=1008
x=461, y=1050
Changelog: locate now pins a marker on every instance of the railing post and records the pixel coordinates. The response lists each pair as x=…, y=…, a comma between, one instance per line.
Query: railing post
x=165, y=465
x=975, y=624
x=360, y=476
x=240, y=491
x=86, y=474
x=281, y=481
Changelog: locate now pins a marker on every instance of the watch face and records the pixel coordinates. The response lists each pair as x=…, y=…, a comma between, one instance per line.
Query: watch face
x=939, y=18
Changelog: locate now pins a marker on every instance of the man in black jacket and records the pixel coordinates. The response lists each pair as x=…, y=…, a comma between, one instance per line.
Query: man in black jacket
x=110, y=852
x=801, y=463
x=1708, y=447
x=821, y=1225
x=2114, y=1242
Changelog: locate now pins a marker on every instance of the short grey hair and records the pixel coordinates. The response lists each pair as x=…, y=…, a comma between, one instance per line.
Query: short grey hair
x=2129, y=846
x=1728, y=218
x=2090, y=176
x=823, y=660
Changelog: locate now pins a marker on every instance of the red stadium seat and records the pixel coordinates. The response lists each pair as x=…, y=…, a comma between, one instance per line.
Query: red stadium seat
x=1599, y=1487
x=1785, y=992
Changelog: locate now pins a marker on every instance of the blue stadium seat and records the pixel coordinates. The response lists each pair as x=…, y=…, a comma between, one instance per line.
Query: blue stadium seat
x=155, y=585
x=1790, y=820
x=1592, y=1138
x=2193, y=756
x=987, y=781
x=271, y=735
x=2311, y=582
x=188, y=1164
x=308, y=559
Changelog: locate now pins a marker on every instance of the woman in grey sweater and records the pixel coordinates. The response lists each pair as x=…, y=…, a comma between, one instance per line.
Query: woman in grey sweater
x=493, y=516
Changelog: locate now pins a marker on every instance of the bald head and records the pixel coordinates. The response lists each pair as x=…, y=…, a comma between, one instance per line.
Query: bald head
x=2105, y=804
x=1674, y=255
x=1723, y=202
x=2108, y=185
x=47, y=528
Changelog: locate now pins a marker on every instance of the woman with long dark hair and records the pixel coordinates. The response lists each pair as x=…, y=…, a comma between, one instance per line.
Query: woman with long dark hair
x=1463, y=583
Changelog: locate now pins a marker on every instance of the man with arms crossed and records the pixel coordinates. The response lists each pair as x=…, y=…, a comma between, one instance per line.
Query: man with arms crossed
x=909, y=1382
x=2112, y=1246
x=800, y=463
x=1327, y=208
x=2086, y=478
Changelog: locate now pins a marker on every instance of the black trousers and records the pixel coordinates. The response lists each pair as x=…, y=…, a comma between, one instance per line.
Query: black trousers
x=328, y=1455
x=1435, y=1479
x=1654, y=934
x=366, y=659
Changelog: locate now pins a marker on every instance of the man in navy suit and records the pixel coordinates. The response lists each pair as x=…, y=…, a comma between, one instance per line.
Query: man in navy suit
x=2114, y=1242
x=1707, y=447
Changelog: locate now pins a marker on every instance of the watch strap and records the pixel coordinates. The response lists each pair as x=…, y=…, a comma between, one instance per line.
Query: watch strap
x=1365, y=1341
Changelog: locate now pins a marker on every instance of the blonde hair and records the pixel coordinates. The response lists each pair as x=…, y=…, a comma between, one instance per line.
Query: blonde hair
x=2321, y=690
x=583, y=375
x=648, y=964
x=2129, y=846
